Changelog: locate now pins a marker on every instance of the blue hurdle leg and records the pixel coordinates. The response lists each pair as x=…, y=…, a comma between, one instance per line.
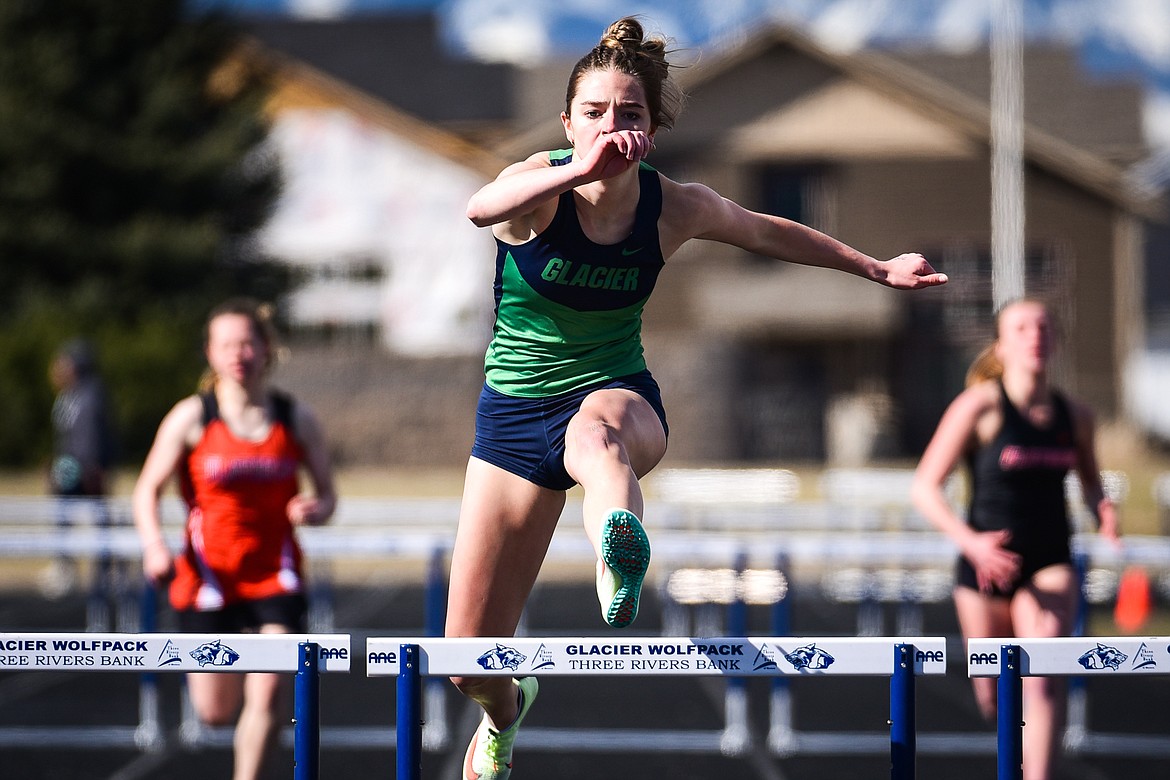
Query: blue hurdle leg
x=307, y=715
x=1010, y=717
x=737, y=736
x=903, y=745
x=435, y=733
x=780, y=732
x=409, y=727
x=1076, y=724
x=149, y=734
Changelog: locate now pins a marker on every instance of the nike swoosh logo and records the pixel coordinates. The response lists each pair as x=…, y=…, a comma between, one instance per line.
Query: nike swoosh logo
x=469, y=772
x=626, y=251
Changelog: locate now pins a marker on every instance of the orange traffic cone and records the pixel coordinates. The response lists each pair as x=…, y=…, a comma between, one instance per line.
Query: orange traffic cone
x=1133, y=600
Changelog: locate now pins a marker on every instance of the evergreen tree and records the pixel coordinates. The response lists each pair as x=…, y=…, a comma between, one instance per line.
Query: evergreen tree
x=134, y=172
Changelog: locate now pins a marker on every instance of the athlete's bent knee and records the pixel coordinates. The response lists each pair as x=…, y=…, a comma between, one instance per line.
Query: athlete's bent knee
x=592, y=440
x=216, y=715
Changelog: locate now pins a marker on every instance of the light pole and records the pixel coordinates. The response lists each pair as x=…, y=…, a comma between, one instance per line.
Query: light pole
x=1007, y=151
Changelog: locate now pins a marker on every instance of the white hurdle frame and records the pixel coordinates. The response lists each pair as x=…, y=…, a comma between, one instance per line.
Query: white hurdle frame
x=411, y=659
x=1011, y=659
x=305, y=655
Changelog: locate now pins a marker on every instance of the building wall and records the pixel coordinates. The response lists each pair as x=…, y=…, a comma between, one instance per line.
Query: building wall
x=914, y=358
x=378, y=408
x=356, y=195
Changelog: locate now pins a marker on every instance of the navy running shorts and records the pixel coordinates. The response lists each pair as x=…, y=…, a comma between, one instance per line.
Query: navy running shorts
x=526, y=436
x=1032, y=561
x=289, y=610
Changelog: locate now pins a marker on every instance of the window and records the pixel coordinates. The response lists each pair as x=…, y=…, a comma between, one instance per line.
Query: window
x=802, y=193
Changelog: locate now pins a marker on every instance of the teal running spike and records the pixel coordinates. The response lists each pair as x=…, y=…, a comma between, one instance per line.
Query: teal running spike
x=625, y=556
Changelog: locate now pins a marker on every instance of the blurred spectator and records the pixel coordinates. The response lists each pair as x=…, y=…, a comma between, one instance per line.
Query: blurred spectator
x=83, y=452
x=83, y=444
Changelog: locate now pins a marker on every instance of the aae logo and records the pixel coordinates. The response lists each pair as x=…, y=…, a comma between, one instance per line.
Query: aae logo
x=925, y=656
x=215, y=653
x=1102, y=657
x=330, y=653
x=809, y=657
x=501, y=657
x=979, y=659
x=386, y=657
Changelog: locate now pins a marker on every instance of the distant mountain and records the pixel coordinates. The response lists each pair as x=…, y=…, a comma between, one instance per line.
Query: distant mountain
x=1119, y=38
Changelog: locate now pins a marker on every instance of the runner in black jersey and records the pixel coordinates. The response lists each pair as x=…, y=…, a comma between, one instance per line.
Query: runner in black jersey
x=1020, y=437
x=581, y=236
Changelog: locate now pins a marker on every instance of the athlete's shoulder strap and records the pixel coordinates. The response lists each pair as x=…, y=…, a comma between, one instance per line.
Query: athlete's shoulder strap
x=282, y=408
x=210, y=407
x=1062, y=407
x=1007, y=408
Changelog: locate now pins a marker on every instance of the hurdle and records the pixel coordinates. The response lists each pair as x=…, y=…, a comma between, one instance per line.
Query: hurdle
x=411, y=659
x=304, y=655
x=1012, y=659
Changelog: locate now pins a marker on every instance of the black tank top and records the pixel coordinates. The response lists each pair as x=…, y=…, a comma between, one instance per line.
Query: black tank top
x=1017, y=480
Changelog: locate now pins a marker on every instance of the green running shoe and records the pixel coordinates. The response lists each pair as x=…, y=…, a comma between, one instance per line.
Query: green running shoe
x=489, y=756
x=625, y=556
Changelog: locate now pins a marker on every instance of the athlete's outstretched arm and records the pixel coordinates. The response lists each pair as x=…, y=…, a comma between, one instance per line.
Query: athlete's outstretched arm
x=523, y=187
x=520, y=189
x=697, y=211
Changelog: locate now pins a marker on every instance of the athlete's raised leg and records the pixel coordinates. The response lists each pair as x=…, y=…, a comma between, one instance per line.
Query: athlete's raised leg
x=612, y=441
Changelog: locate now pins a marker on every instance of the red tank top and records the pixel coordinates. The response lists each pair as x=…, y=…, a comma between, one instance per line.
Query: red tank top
x=239, y=542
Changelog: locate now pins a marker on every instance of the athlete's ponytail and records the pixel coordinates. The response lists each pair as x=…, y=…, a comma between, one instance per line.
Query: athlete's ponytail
x=985, y=366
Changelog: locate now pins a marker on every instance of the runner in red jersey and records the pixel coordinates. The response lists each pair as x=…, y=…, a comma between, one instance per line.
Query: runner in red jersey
x=237, y=449
x=240, y=544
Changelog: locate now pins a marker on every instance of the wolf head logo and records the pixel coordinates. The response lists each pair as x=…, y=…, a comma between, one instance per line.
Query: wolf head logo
x=1102, y=657
x=215, y=654
x=809, y=657
x=501, y=657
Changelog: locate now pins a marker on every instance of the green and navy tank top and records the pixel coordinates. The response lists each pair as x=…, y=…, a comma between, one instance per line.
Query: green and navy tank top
x=569, y=311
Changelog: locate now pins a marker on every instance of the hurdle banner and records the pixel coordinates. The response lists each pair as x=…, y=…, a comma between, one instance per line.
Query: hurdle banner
x=412, y=659
x=656, y=656
x=1011, y=659
x=1073, y=656
x=304, y=655
x=86, y=652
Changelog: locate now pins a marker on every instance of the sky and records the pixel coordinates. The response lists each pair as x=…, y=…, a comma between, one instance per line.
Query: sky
x=1129, y=38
